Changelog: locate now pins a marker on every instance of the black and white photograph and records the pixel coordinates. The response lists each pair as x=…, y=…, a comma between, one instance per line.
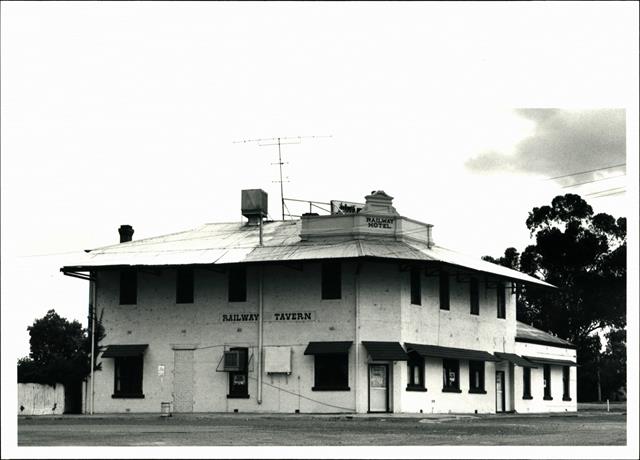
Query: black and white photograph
x=319, y=229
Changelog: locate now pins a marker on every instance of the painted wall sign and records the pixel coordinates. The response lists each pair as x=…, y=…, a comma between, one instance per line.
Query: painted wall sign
x=345, y=207
x=273, y=317
x=380, y=222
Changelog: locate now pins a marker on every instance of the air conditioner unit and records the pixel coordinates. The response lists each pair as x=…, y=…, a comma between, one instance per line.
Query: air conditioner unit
x=232, y=361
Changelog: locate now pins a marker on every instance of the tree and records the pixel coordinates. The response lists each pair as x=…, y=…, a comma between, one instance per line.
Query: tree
x=584, y=255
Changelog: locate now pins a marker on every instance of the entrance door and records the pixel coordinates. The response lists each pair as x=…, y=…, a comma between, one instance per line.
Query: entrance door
x=499, y=391
x=378, y=388
x=183, y=381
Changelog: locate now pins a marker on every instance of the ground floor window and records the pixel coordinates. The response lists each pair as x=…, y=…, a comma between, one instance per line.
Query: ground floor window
x=565, y=383
x=128, y=377
x=239, y=380
x=547, y=382
x=415, y=365
x=526, y=383
x=476, y=377
x=331, y=372
x=451, y=375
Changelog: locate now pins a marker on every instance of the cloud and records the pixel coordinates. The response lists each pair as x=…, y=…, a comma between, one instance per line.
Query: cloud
x=563, y=142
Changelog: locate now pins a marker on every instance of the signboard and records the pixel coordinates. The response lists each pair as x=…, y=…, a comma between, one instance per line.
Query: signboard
x=345, y=207
x=161, y=370
x=288, y=316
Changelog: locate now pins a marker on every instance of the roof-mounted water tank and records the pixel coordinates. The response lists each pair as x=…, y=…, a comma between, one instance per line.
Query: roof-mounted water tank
x=255, y=205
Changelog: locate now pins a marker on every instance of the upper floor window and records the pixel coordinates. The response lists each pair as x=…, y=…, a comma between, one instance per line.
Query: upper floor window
x=128, y=287
x=476, y=377
x=566, y=379
x=415, y=365
x=416, y=290
x=238, y=284
x=502, y=305
x=331, y=280
x=444, y=290
x=184, y=285
x=526, y=383
x=474, y=296
x=451, y=375
x=546, y=373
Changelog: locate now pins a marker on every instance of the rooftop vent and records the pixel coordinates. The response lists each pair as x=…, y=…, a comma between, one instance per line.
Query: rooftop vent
x=126, y=233
x=255, y=205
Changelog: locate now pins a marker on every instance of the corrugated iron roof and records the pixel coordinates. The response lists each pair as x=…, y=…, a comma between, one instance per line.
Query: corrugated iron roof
x=527, y=333
x=436, y=351
x=515, y=359
x=385, y=351
x=553, y=362
x=227, y=243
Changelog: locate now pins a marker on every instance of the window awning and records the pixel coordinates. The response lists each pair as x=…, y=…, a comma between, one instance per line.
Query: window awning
x=434, y=351
x=553, y=362
x=386, y=351
x=117, y=351
x=515, y=359
x=325, y=348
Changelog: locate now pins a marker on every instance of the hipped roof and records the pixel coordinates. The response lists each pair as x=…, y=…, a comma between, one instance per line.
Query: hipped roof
x=232, y=243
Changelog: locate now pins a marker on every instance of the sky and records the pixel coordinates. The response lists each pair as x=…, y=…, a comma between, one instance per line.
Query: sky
x=130, y=113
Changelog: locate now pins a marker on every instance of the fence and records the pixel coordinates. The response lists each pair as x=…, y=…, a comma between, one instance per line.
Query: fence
x=37, y=399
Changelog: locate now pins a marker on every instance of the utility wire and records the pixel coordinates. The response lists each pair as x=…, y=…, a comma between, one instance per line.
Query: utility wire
x=585, y=172
x=595, y=180
x=604, y=191
x=609, y=194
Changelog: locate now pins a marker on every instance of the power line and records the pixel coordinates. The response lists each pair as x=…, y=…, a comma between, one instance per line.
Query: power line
x=609, y=194
x=604, y=191
x=595, y=180
x=585, y=172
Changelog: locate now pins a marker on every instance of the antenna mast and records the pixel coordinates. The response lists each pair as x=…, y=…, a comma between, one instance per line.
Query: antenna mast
x=279, y=141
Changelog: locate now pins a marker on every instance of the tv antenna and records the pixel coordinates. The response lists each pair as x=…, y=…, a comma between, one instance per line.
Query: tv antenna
x=279, y=141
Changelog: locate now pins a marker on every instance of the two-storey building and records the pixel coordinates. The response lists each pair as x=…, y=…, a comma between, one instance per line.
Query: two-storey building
x=358, y=312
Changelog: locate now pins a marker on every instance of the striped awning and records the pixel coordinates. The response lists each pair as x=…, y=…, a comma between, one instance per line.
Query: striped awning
x=434, y=351
x=117, y=351
x=515, y=359
x=553, y=362
x=326, y=348
x=386, y=351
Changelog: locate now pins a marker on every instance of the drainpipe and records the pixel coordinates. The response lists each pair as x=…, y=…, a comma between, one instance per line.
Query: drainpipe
x=357, y=334
x=260, y=324
x=92, y=304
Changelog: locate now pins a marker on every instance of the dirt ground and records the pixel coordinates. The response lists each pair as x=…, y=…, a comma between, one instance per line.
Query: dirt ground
x=585, y=428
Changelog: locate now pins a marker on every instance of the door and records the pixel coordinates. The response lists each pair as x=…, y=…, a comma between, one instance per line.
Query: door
x=378, y=388
x=183, y=381
x=499, y=391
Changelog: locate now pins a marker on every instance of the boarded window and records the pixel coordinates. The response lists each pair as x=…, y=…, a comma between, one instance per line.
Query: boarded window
x=502, y=311
x=128, y=377
x=184, y=285
x=238, y=284
x=476, y=377
x=547, y=381
x=416, y=289
x=566, y=373
x=331, y=372
x=474, y=297
x=331, y=280
x=444, y=291
x=526, y=383
x=239, y=380
x=415, y=365
x=451, y=375
x=128, y=287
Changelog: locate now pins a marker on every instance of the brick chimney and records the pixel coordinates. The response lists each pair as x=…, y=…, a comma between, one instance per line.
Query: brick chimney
x=126, y=233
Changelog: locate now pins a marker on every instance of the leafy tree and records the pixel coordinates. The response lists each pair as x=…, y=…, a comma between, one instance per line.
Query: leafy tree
x=584, y=255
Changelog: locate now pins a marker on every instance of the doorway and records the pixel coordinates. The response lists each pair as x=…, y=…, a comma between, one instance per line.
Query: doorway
x=378, y=388
x=183, y=381
x=500, y=391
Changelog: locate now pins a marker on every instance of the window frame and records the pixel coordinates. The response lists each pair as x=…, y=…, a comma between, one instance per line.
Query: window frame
x=185, y=283
x=501, y=300
x=240, y=391
x=415, y=286
x=237, y=283
x=338, y=363
x=128, y=286
x=444, y=290
x=474, y=296
x=566, y=383
x=526, y=383
x=546, y=379
x=480, y=367
x=133, y=368
x=449, y=365
x=331, y=280
x=415, y=363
